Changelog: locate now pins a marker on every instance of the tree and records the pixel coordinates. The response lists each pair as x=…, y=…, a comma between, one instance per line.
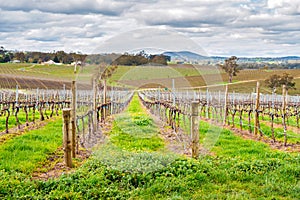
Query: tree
x=287, y=80
x=55, y=59
x=231, y=67
x=20, y=56
x=2, y=50
x=158, y=59
x=273, y=82
x=61, y=56
x=276, y=81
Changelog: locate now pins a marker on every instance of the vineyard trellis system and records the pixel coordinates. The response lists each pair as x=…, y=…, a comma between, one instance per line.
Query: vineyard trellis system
x=45, y=103
x=89, y=116
x=248, y=111
x=91, y=108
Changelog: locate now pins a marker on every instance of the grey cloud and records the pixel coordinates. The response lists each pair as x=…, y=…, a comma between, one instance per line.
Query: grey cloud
x=67, y=6
x=190, y=14
x=221, y=27
x=286, y=7
x=149, y=38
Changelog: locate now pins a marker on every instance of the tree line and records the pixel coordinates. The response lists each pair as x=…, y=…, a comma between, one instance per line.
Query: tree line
x=141, y=58
x=39, y=57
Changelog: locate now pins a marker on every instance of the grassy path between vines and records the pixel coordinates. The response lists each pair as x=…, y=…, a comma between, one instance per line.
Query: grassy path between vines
x=134, y=164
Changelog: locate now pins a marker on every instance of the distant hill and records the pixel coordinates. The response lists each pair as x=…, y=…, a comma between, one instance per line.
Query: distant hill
x=191, y=56
x=185, y=56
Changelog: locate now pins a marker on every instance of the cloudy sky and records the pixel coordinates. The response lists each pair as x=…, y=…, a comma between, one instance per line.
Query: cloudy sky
x=219, y=27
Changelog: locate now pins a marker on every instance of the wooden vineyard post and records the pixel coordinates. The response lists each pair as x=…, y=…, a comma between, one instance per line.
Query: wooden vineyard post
x=173, y=93
x=104, y=98
x=67, y=141
x=159, y=102
x=225, y=106
x=256, y=117
x=6, y=119
x=272, y=117
x=195, y=130
x=284, y=114
x=73, y=119
x=207, y=104
x=95, y=105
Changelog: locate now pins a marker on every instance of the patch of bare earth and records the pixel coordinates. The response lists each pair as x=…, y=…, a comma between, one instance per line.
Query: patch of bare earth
x=177, y=141
x=54, y=166
x=107, y=125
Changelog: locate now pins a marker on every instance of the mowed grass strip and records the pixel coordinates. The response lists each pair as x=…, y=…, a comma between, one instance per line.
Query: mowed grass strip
x=238, y=169
x=265, y=128
x=21, y=116
x=135, y=131
x=23, y=153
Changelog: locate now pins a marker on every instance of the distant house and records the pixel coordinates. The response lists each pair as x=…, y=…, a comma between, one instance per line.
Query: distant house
x=51, y=62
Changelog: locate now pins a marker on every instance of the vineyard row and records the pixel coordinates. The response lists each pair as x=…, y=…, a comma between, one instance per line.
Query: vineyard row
x=248, y=111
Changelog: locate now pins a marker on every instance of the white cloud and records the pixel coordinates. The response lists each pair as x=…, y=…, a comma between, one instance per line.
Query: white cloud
x=68, y=6
x=289, y=7
x=220, y=27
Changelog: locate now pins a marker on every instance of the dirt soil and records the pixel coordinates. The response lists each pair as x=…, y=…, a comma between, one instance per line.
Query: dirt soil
x=54, y=166
x=178, y=141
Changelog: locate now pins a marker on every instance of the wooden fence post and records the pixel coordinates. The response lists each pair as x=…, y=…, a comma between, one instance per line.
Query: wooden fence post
x=73, y=119
x=256, y=117
x=284, y=114
x=225, y=106
x=195, y=129
x=67, y=141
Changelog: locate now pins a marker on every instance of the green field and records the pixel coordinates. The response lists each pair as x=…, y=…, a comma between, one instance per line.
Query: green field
x=23, y=153
x=150, y=76
x=134, y=163
x=196, y=76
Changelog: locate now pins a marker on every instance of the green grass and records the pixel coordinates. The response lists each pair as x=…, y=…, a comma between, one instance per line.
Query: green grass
x=292, y=137
x=240, y=169
x=23, y=153
x=195, y=75
x=56, y=72
x=134, y=130
x=21, y=116
x=290, y=121
x=237, y=169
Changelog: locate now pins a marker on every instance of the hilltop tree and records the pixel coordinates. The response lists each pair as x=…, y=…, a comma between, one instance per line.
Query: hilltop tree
x=287, y=80
x=55, y=59
x=20, y=56
x=273, y=82
x=276, y=81
x=231, y=67
x=158, y=59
